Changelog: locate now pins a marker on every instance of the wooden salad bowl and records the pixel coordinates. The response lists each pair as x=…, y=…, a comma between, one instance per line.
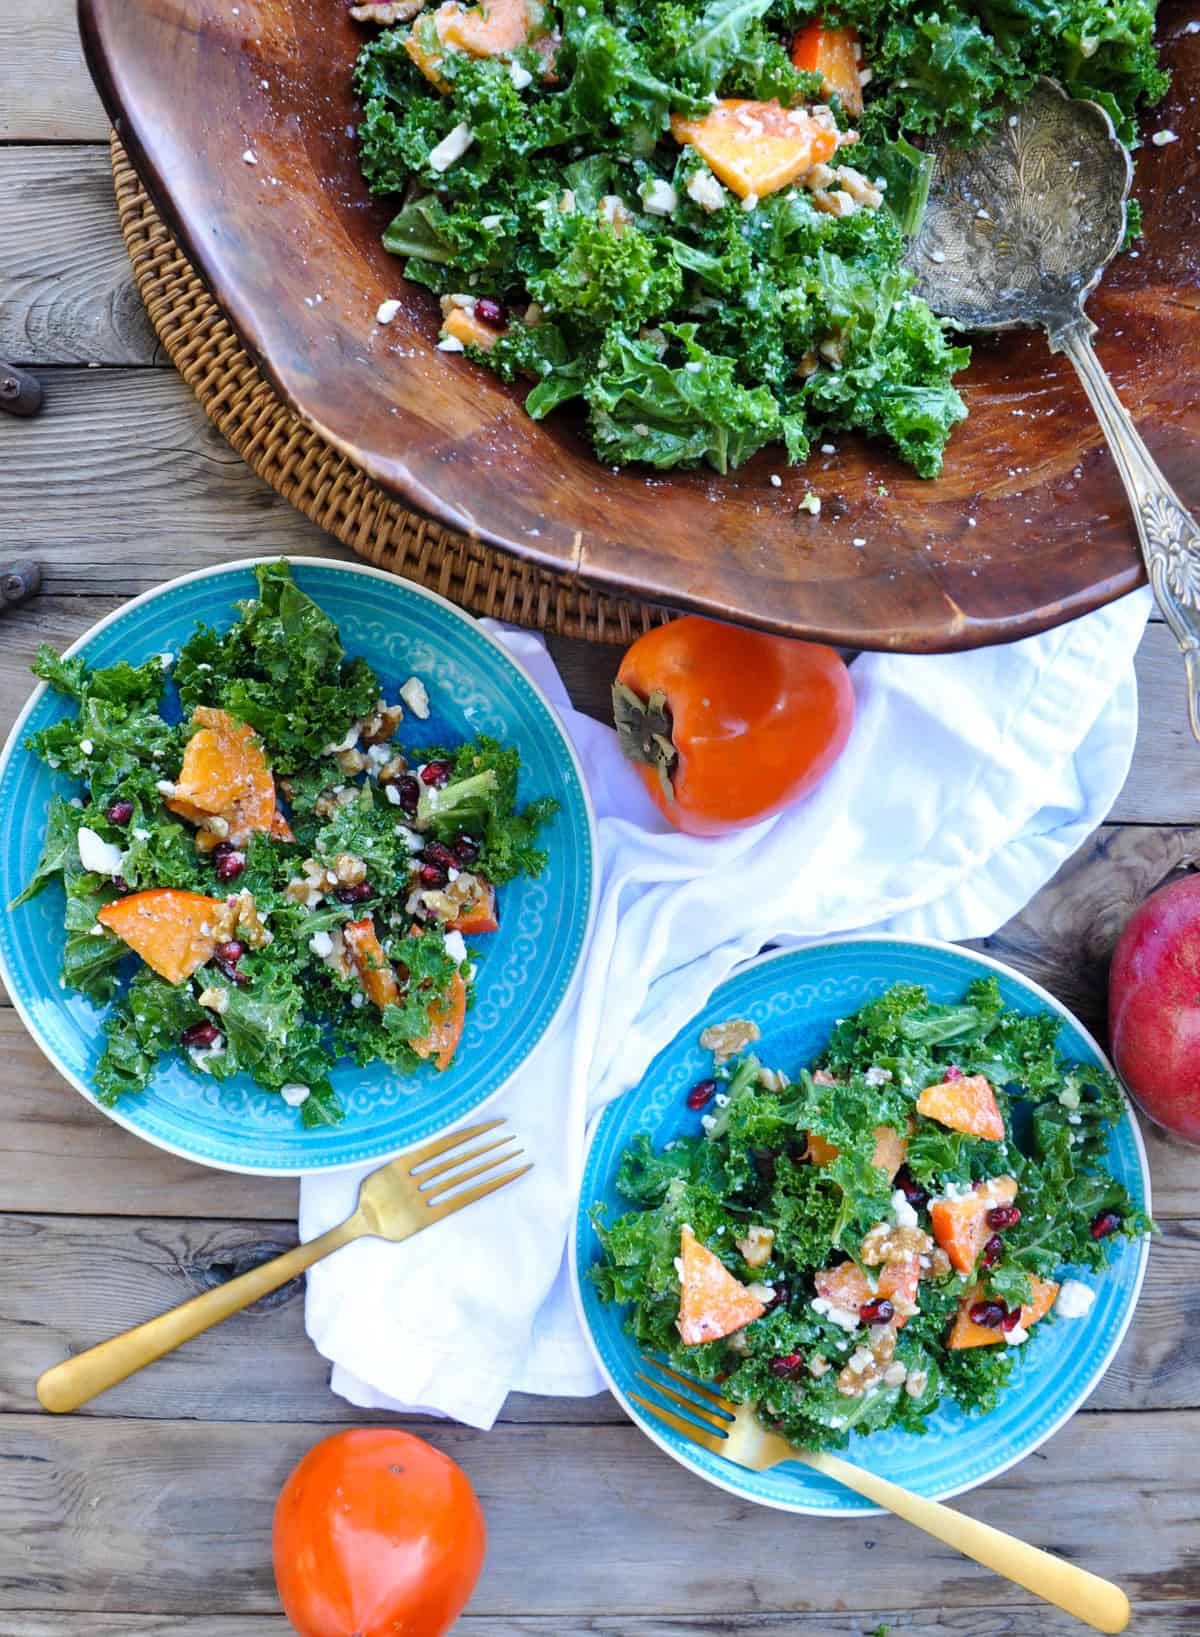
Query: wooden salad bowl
x=1027, y=527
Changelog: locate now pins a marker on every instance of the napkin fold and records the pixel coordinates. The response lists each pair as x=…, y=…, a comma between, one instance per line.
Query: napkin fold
x=968, y=780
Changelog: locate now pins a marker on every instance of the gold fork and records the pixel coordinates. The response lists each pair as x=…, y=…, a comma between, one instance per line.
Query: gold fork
x=734, y=1431
x=401, y=1199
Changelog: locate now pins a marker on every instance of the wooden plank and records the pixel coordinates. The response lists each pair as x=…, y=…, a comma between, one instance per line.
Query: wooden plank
x=46, y=94
x=69, y=295
x=1160, y=1619
x=108, y=1515
x=73, y=1281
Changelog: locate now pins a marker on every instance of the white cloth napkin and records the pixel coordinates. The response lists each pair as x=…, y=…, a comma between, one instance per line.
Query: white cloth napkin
x=968, y=780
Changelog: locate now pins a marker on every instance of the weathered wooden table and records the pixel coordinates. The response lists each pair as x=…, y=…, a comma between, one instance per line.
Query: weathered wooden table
x=149, y=1513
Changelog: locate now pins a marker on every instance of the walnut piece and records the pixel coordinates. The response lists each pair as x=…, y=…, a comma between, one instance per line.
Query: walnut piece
x=349, y=870
x=726, y=1040
x=888, y=1243
x=377, y=728
x=239, y=917
x=867, y=1365
x=387, y=11
x=756, y=1247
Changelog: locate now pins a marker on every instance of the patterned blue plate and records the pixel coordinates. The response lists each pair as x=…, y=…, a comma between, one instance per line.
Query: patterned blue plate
x=795, y=997
x=525, y=970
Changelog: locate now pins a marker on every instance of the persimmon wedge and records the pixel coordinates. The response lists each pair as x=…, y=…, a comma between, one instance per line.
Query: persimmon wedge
x=375, y=971
x=468, y=329
x=967, y=1104
x=225, y=775
x=495, y=29
x=712, y=1303
x=172, y=930
x=890, y=1149
x=757, y=147
x=846, y=1286
x=834, y=54
x=446, y=1021
x=960, y=1225
x=966, y=1333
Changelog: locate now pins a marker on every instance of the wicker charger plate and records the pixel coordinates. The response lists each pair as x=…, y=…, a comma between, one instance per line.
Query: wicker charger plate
x=315, y=478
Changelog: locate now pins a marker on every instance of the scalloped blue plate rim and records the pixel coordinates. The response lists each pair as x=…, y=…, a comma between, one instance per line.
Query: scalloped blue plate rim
x=12, y=746
x=731, y=1484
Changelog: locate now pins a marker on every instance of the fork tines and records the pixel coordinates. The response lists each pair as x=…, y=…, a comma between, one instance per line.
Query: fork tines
x=441, y=1184
x=709, y=1416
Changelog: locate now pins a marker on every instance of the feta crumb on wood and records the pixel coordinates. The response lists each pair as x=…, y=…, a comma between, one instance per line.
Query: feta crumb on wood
x=386, y=311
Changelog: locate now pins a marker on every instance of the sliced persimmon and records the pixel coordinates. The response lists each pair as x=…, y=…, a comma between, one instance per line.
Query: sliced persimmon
x=890, y=1149
x=479, y=915
x=172, y=930
x=468, y=329
x=847, y=1287
x=833, y=53
x=757, y=147
x=495, y=29
x=225, y=775
x=967, y=1104
x=446, y=1021
x=966, y=1333
x=712, y=1303
x=960, y=1225
x=375, y=971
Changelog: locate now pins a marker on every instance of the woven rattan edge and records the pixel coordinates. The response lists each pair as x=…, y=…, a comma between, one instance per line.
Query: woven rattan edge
x=319, y=481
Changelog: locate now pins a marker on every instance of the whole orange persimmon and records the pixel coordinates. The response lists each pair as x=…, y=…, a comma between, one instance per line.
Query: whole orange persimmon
x=726, y=725
x=377, y=1534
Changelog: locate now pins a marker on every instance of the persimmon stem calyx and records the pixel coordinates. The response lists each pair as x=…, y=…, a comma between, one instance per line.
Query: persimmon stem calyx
x=644, y=730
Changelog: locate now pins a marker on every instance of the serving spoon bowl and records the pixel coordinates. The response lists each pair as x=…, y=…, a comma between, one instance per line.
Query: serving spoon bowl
x=1017, y=232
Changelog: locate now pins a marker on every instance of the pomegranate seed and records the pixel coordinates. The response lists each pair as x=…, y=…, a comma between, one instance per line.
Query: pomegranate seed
x=231, y=950
x=701, y=1093
x=437, y=852
x=353, y=895
x=989, y=1314
x=466, y=849
x=880, y=1311
x=782, y=1296
x=234, y=973
x=786, y=1366
x=912, y=1190
x=1107, y=1222
x=431, y=875
x=1011, y=1320
x=993, y=1251
x=436, y=773
x=954, y=1072
x=120, y=883
x=410, y=793
x=230, y=866
x=120, y=812
x=200, y=1034
x=490, y=311
x=1003, y=1216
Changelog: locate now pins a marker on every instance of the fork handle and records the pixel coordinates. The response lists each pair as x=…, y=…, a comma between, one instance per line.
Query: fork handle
x=1098, y=1603
x=76, y=1380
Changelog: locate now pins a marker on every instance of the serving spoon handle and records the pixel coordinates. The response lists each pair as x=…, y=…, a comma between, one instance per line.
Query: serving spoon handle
x=1167, y=532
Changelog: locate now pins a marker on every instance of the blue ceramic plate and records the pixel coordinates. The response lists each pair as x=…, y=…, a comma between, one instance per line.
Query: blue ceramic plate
x=525, y=970
x=795, y=998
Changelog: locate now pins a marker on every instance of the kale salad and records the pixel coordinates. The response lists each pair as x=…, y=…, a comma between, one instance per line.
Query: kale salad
x=296, y=886
x=847, y=1249
x=690, y=215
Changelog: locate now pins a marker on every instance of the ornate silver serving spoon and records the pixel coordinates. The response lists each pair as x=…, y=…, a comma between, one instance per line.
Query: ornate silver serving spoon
x=1018, y=232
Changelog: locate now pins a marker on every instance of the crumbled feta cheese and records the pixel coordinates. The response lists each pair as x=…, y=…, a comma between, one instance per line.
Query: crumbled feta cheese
x=1074, y=1299
x=451, y=148
x=875, y=1076
x=86, y=746
x=810, y=503
x=858, y=541
x=750, y=202
x=294, y=1093
x=77, y=803
x=521, y=77
x=450, y=343
x=829, y=449
x=957, y=1190
x=416, y=697
x=841, y=1316
x=660, y=198
x=321, y=944
x=761, y=1292
x=358, y=999
x=455, y=947
x=386, y=311
x=1160, y=139
x=1016, y=1336
x=708, y=1121
x=141, y=835
x=412, y=839
x=903, y=1212
x=721, y=1100
x=96, y=854
x=96, y=931
x=392, y=792
x=895, y=1373
x=708, y=193
x=248, y=158
x=776, y=481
